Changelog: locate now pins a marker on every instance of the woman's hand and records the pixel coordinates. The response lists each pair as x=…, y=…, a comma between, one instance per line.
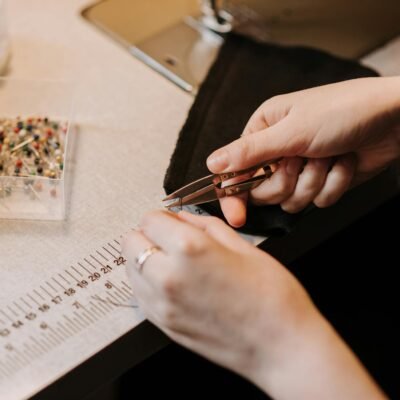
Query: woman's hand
x=331, y=137
x=214, y=293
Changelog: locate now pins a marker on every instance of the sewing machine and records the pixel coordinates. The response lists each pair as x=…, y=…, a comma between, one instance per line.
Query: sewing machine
x=180, y=38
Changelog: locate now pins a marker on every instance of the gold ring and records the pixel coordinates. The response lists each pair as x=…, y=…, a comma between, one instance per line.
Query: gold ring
x=144, y=255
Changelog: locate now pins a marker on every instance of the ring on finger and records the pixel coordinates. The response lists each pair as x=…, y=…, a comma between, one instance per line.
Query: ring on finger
x=144, y=255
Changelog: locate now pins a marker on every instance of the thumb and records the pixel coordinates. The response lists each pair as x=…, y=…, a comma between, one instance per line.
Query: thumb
x=279, y=140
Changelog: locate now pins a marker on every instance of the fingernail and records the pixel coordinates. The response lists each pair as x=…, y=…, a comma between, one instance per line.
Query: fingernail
x=218, y=160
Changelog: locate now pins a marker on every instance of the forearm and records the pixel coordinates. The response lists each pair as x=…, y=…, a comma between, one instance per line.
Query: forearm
x=317, y=364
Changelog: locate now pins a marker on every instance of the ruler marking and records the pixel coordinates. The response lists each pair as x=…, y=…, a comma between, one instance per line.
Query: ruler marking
x=25, y=302
x=78, y=272
x=51, y=287
x=106, y=302
x=19, y=360
x=19, y=307
x=84, y=318
x=88, y=316
x=30, y=350
x=95, y=313
x=104, y=305
x=6, y=315
x=73, y=327
x=33, y=299
x=89, y=272
x=80, y=320
x=51, y=337
x=73, y=277
x=13, y=369
x=125, y=297
x=31, y=354
x=47, y=343
x=59, y=284
x=56, y=335
x=97, y=308
x=45, y=290
x=12, y=311
x=64, y=278
x=129, y=294
x=12, y=364
x=4, y=369
x=116, y=241
x=64, y=329
x=112, y=303
x=36, y=349
x=98, y=311
x=49, y=340
x=102, y=255
x=38, y=294
x=62, y=333
x=117, y=251
x=22, y=356
x=38, y=344
x=89, y=263
x=109, y=252
x=95, y=259
x=79, y=323
x=127, y=286
x=121, y=299
x=116, y=301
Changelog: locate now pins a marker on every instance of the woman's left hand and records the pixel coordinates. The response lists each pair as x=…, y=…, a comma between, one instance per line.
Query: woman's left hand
x=213, y=292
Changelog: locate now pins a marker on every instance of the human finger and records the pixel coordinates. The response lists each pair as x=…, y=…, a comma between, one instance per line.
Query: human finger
x=134, y=245
x=172, y=234
x=234, y=209
x=309, y=184
x=337, y=181
x=280, y=185
x=269, y=113
x=217, y=229
x=274, y=142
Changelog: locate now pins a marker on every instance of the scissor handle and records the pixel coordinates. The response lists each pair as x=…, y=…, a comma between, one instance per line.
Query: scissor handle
x=225, y=176
x=245, y=186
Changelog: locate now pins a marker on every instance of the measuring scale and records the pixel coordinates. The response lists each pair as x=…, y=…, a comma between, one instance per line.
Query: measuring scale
x=39, y=328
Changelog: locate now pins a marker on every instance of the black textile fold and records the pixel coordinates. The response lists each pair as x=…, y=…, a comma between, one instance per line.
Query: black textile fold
x=244, y=75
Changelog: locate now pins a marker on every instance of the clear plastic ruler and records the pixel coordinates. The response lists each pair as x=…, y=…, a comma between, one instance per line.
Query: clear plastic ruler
x=51, y=328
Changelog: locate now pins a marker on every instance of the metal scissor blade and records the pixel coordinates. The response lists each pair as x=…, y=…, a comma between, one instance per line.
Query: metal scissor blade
x=203, y=195
x=190, y=188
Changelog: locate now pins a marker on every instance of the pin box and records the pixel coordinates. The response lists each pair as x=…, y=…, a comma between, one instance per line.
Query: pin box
x=36, y=136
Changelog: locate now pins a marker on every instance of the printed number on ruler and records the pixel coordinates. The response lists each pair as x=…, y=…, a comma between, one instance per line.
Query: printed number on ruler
x=75, y=298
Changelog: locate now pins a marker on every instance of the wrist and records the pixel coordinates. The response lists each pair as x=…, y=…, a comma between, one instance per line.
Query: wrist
x=314, y=362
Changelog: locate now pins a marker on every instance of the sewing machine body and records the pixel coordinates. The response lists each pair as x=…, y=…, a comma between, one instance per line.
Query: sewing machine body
x=171, y=38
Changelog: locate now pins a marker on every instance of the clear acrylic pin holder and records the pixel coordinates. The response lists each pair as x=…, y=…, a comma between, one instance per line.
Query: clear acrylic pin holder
x=32, y=195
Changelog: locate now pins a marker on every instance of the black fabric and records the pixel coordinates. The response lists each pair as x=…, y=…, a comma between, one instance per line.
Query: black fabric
x=245, y=74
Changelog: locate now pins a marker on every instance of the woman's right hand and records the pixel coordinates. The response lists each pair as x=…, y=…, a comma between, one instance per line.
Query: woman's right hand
x=330, y=137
